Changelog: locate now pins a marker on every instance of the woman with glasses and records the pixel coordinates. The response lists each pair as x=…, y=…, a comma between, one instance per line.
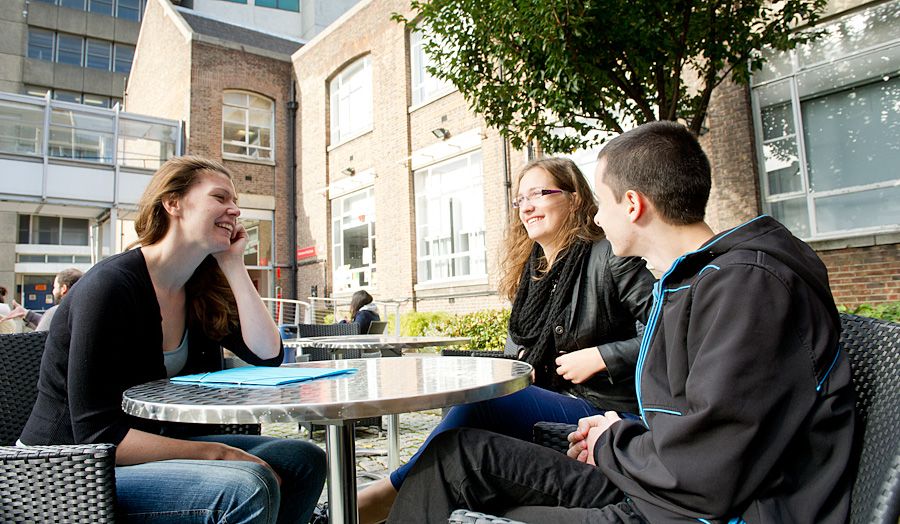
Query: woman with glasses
x=574, y=307
x=163, y=309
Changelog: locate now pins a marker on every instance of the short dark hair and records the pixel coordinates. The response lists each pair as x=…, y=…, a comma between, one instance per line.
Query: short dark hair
x=68, y=277
x=663, y=161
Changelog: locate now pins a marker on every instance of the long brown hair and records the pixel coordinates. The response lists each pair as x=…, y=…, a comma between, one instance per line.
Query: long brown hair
x=579, y=222
x=211, y=303
x=359, y=299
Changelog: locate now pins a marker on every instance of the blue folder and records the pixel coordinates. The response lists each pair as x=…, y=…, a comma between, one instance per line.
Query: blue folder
x=260, y=376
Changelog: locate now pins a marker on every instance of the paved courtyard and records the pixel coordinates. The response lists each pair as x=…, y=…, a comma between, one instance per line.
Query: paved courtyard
x=371, y=444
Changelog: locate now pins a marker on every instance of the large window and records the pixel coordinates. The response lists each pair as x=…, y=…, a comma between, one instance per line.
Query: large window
x=247, y=126
x=424, y=85
x=828, y=124
x=125, y=9
x=53, y=231
x=75, y=50
x=450, y=220
x=87, y=99
x=145, y=145
x=284, y=5
x=353, y=240
x=351, y=101
x=81, y=136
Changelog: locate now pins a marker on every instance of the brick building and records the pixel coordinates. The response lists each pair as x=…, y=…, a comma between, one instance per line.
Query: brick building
x=384, y=147
x=231, y=86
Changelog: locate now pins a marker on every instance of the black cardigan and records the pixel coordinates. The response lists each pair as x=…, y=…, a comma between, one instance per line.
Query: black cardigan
x=105, y=338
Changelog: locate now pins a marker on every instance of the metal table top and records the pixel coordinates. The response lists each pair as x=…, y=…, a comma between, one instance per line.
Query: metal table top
x=380, y=342
x=380, y=386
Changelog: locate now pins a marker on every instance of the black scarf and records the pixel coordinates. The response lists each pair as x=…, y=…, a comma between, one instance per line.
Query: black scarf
x=539, y=304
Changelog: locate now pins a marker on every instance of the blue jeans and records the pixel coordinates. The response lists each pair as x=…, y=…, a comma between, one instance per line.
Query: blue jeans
x=513, y=415
x=219, y=491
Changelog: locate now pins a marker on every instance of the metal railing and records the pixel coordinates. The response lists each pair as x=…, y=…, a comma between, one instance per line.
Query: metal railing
x=339, y=307
x=286, y=311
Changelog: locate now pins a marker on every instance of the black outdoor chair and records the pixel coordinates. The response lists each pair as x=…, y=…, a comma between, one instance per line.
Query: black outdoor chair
x=71, y=483
x=874, y=350
x=46, y=483
x=377, y=327
x=326, y=330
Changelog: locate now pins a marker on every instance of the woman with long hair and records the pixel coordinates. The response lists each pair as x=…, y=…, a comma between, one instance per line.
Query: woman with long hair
x=574, y=307
x=363, y=311
x=166, y=309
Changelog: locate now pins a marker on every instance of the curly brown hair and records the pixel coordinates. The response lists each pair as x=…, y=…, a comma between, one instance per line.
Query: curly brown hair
x=212, y=306
x=579, y=222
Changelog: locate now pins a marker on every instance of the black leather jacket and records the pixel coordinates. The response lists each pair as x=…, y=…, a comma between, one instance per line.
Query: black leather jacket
x=609, y=296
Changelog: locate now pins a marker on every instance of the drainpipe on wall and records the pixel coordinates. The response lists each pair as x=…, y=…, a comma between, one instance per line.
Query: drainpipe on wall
x=292, y=189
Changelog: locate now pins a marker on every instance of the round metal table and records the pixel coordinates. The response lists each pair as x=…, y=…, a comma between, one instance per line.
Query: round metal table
x=380, y=386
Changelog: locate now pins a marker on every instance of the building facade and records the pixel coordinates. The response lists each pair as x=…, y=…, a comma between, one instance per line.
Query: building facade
x=232, y=88
x=401, y=190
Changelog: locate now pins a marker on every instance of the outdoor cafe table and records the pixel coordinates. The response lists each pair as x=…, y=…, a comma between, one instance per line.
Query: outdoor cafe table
x=380, y=386
x=388, y=346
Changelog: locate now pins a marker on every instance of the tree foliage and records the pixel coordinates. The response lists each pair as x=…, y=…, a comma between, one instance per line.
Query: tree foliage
x=557, y=71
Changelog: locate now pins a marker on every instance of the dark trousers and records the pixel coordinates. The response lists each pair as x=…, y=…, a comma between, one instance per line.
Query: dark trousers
x=483, y=471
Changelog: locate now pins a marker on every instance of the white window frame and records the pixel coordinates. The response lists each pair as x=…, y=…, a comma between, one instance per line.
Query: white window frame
x=473, y=195
x=366, y=272
x=254, y=151
x=350, y=101
x=785, y=68
x=424, y=86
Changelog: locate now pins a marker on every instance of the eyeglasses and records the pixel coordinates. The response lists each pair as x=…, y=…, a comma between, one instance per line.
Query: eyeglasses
x=534, y=196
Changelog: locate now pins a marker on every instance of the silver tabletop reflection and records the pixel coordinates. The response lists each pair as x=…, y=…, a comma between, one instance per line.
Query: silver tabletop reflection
x=379, y=386
x=385, y=343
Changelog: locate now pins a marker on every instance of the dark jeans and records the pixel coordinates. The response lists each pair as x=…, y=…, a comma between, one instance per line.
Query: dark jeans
x=512, y=415
x=485, y=471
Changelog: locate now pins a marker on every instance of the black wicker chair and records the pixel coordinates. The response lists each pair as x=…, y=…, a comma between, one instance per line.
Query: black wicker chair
x=46, y=483
x=874, y=350
x=326, y=330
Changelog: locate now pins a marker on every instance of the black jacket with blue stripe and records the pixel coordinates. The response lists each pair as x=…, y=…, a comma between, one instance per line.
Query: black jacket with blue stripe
x=745, y=396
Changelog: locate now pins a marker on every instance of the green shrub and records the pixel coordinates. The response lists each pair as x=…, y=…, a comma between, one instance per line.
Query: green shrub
x=329, y=319
x=889, y=311
x=486, y=328
x=418, y=324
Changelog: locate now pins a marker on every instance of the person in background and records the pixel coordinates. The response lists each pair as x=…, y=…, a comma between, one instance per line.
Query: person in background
x=63, y=282
x=363, y=311
x=574, y=307
x=164, y=309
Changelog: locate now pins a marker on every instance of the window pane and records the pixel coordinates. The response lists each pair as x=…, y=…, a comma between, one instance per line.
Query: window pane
x=777, y=121
x=145, y=145
x=21, y=128
x=858, y=210
x=351, y=101
x=74, y=4
x=783, y=166
x=129, y=9
x=67, y=96
x=24, y=229
x=853, y=136
x=289, y=5
x=124, y=56
x=236, y=99
x=792, y=213
x=859, y=31
x=47, y=230
x=252, y=127
x=36, y=91
x=98, y=54
x=265, y=3
x=103, y=7
x=95, y=100
x=68, y=49
x=40, y=44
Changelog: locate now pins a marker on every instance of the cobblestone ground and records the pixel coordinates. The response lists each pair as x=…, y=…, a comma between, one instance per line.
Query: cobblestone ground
x=371, y=444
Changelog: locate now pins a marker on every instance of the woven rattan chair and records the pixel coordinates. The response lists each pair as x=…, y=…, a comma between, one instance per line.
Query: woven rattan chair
x=874, y=350
x=45, y=483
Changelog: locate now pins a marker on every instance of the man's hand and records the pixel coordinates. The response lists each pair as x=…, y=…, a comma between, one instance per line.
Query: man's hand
x=580, y=365
x=17, y=311
x=583, y=439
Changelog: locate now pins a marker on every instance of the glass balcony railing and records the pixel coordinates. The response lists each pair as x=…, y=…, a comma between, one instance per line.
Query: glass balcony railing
x=39, y=127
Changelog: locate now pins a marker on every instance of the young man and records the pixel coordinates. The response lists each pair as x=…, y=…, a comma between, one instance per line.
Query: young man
x=745, y=397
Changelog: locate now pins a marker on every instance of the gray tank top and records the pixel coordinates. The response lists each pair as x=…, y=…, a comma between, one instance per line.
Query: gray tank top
x=176, y=359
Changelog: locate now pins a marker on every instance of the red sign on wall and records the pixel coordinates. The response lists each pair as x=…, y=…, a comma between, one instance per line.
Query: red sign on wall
x=306, y=252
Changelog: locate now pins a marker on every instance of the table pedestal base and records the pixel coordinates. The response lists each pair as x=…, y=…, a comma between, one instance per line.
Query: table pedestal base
x=340, y=447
